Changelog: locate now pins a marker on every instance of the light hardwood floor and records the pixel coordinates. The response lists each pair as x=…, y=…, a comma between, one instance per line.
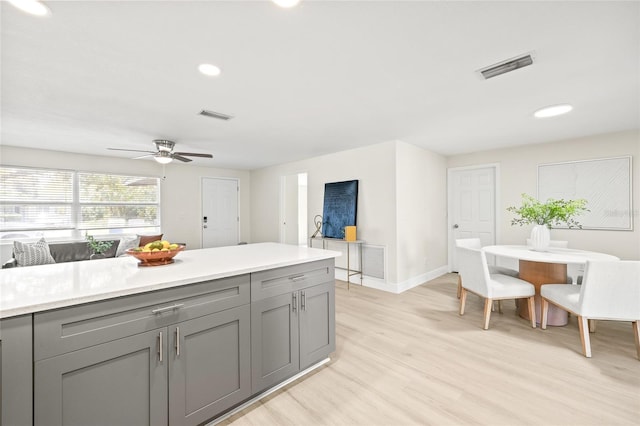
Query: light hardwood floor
x=410, y=359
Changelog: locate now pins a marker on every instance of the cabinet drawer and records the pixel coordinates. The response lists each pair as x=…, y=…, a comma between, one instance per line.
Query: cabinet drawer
x=290, y=278
x=68, y=329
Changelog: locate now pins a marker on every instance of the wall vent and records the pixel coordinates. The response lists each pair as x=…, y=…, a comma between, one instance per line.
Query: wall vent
x=214, y=114
x=373, y=261
x=506, y=66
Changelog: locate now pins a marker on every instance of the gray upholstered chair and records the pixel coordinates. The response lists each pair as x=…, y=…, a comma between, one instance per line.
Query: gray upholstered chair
x=476, y=279
x=610, y=291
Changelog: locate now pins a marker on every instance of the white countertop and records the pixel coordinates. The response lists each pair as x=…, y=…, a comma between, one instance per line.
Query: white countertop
x=25, y=290
x=552, y=255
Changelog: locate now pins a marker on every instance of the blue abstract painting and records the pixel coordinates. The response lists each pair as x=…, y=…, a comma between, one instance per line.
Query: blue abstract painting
x=340, y=208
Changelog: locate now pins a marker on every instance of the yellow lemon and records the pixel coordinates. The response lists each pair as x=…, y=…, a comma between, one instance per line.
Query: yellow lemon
x=154, y=250
x=166, y=244
x=173, y=246
x=146, y=250
x=164, y=249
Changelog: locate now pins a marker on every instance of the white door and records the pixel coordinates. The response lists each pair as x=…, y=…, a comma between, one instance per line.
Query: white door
x=289, y=210
x=472, y=206
x=220, y=220
x=293, y=209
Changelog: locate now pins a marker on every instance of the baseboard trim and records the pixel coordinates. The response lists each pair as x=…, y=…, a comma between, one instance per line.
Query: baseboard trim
x=397, y=288
x=422, y=278
x=268, y=392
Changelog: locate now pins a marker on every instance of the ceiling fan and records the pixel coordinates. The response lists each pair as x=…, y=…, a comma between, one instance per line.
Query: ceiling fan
x=164, y=153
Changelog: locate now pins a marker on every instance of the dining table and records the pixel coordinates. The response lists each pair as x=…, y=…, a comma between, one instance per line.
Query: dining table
x=545, y=267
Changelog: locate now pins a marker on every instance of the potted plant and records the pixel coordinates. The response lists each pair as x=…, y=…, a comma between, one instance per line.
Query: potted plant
x=545, y=215
x=97, y=247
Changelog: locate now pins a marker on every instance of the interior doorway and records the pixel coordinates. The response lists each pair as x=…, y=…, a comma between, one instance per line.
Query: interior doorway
x=472, y=206
x=293, y=209
x=220, y=218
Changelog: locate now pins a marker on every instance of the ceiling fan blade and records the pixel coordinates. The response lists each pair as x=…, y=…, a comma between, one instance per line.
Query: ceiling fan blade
x=130, y=150
x=180, y=157
x=143, y=156
x=194, y=154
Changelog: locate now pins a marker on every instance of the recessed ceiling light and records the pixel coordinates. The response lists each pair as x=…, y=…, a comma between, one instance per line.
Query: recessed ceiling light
x=552, y=111
x=286, y=3
x=33, y=7
x=208, y=69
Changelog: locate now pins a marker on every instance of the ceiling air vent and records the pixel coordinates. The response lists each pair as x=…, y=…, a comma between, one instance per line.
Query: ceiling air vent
x=506, y=66
x=214, y=114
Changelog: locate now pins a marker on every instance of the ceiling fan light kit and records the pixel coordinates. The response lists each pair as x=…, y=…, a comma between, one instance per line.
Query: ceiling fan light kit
x=163, y=157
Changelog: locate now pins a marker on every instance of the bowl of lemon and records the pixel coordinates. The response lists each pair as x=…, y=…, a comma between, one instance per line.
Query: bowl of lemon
x=156, y=253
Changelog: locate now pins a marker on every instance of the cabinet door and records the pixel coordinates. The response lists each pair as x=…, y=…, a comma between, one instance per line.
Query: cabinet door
x=274, y=340
x=123, y=382
x=16, y=369
x=209, y=367
x=317, y=323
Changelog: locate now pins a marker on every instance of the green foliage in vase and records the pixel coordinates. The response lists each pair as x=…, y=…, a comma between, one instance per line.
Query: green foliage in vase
x=97, y=246
x=552, y=212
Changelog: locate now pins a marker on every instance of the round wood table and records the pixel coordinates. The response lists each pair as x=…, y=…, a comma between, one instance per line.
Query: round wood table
x=545, y=267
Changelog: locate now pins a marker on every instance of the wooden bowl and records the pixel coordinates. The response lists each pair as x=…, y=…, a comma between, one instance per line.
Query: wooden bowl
x=155, y=258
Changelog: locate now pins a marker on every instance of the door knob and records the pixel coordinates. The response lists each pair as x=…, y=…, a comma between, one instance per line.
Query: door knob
x=204, y=226
x=455, y=226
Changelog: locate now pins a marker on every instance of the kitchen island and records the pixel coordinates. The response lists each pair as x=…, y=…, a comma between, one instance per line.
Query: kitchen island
x=107, y=341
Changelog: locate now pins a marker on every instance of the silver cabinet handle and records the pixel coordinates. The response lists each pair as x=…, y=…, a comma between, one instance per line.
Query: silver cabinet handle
x=160, y=347
x=177, y=342
x=303, y=302
x=296, y=278
x=167, y=308
x=295, y=302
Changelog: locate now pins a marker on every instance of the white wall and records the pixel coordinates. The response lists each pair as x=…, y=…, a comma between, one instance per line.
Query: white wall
x=401, y=204
x=180, y=190
x=518, y=169
x=421, y=211
x=373, y=166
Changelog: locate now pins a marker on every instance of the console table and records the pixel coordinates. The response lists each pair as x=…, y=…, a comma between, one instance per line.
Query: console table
x=356, y=243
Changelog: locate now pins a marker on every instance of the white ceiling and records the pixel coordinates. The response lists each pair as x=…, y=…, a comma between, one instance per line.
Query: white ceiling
x=323, y=77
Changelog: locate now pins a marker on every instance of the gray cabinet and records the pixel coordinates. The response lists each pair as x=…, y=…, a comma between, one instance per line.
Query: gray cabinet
x=317, y=323
x=209, y=365
x=274, y=340
x=178, y=356
x=175, y=357
x=16, y=364
x=293, y=324
x=123, y=382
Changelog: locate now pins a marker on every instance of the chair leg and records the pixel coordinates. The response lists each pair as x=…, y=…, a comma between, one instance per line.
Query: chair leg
x=584, y=336
x=636, y=335
x=499, y=306
x=592, y=326
x=487, y=313
x=463, y=300
x=459, y=286
x=545, y=313
x=532, y=311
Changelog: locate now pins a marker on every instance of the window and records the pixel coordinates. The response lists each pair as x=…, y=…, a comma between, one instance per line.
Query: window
x=64, y=203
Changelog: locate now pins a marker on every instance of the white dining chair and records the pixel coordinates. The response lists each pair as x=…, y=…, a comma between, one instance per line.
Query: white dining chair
x=476, y=244
x=610, y=291
x=472, y=265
